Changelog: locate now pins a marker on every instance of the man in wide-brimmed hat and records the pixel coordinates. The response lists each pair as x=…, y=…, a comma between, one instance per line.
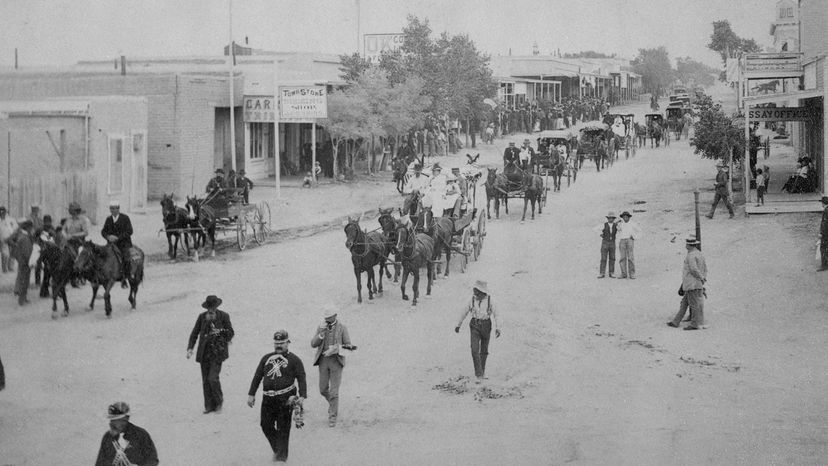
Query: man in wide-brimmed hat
x=483, y=317
x=77, y=226
x=214, y=332
x=823, y=235
x=329, y=338
x=417, y=183
x=693, y=278
x=284, y=387
x=217, y=182
x=608, y=231
x=627, y=233
x=721, y=191
x=124, y=442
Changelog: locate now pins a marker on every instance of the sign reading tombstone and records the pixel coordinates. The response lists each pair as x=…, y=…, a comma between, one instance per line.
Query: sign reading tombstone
x=303, y=102
x=375, y=44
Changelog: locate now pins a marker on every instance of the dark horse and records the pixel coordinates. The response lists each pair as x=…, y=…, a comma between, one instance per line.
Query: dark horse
x=389, y=230
x=367, y=251
x=557, y=168
x=101, y=264
x=414, y=250
x=202, y=217
x=176, y=223
x=441, y=230
x=496, y=189
x=532, y=192
x=60, y=263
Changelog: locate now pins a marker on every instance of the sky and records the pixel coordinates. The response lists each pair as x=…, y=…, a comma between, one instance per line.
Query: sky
x=60, y=32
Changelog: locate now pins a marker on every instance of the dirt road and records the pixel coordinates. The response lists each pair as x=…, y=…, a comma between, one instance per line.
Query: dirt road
x=586, y=371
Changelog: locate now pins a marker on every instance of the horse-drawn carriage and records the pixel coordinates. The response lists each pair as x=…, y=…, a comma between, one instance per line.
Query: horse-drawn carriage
x=621, y=135
x=655, y=125
x=224, y=210
x=591, y=135
x=556, y=162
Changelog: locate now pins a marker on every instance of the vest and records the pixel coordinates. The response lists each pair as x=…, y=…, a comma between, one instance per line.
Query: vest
x=609, y=232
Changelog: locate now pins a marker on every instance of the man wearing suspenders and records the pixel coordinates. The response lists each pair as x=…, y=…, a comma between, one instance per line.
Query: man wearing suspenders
x=480, y=326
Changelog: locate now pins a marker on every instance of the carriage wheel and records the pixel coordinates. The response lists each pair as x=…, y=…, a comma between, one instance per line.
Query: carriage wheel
x=465, y=246
x=264, y=212
x=242, y=235
x=259, y=232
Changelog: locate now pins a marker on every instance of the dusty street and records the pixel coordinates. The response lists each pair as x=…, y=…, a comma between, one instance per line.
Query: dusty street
x=586, y=371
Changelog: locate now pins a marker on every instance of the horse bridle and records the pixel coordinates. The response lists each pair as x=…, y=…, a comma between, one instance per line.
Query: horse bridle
x=412, y=238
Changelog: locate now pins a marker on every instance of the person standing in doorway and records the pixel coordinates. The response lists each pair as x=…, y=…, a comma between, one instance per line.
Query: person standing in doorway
x=693, y=278
x=329, y=339
x=214, y=333
x=608, y=230
x=627, y=233
x=721, y=191
x=282, y=376
x=483, y=317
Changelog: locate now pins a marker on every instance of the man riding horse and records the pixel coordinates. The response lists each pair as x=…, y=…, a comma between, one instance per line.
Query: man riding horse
x=117, y=231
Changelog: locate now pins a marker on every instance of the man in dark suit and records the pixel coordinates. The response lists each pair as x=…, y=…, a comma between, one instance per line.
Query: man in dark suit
x=21, y=246
x=214, y=332
x=117, y=231
x=511, y=154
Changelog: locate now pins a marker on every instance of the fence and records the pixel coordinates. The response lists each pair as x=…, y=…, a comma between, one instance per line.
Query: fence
x=53, y=192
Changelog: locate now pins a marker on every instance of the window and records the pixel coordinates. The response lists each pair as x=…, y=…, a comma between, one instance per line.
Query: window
x=507, y=91
x=261, y=141
x=116, y=164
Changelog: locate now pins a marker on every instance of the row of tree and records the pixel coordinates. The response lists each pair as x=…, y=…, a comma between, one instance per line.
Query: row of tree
x=428, y=81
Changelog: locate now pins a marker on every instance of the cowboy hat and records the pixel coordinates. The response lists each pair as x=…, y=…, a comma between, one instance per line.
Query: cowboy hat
x=114, y=203
x=482, y=286
x=219, y=171
x=74, y=206
x=625, y=213
x=117, y=410
x=436, y=166
x=211, y=302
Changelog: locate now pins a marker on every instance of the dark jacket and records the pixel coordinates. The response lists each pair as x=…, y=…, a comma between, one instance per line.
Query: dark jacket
x=122, y=229
x=823, y=227
x=280, y=372
x=213, y=337
x=140, y=451
x=609, y=231
x=21, y=247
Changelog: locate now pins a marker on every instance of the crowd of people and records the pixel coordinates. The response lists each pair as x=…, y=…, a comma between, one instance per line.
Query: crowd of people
x=547, y=115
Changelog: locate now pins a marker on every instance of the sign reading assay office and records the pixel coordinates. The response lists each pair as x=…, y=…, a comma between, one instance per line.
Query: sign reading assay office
x=303, y=102
x=779, y=114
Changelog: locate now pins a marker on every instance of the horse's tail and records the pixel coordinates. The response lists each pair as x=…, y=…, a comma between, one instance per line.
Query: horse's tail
x=138, y=273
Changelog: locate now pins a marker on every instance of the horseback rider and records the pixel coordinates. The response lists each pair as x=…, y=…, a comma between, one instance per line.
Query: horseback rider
x=76, y=228
x=117, y=231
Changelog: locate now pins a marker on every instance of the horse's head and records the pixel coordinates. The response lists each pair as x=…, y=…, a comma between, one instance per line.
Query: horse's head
x=403, y=230
x=193, y=207
x=87, y=253
x=410, y=203
x=491, y=176
x=167, y=204
x=351, y=232
x=386, y=220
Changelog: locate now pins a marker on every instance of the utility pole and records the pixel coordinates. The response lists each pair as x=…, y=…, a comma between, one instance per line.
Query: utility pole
x=232, y=54
x=698, y=223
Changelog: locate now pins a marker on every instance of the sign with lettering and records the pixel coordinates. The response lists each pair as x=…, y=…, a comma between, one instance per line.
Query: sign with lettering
x=375, y=44
x=779, y=114
x=259, y=109
x=303, y=102
x=763, y=62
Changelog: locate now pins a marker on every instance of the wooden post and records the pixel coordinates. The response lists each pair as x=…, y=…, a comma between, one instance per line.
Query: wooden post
x=313, y=153
x=698, y=223
x=746, y=158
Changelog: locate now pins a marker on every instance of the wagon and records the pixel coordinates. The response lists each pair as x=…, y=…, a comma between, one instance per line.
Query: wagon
x=249, y=222
x=622, y=140
x=469, y=230
x=591, y=134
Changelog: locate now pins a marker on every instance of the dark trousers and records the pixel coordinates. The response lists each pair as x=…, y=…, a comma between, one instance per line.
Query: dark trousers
x=607, y=252
x=721, y=195
x=480, y=331
x=213, y=397
x=21, y=287
x=823, y=246
x=44, y=284
x=2, y=376
x=276, y=420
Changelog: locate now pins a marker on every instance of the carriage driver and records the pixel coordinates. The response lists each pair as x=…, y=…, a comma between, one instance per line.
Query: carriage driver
x=417, y=182
x=117, y=231
x=217, y=182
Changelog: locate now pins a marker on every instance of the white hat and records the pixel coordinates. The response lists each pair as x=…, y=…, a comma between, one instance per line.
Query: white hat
x=114, y=203
x=329, y=310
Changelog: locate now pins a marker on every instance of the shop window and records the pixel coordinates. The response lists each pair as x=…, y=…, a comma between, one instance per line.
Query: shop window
x=116, y=164
x=261, y=140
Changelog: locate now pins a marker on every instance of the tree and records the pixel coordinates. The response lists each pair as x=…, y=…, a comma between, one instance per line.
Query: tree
x=691, y=72
x=654, y=67
x=715, y=136
x=352, y=66
x=727, y=44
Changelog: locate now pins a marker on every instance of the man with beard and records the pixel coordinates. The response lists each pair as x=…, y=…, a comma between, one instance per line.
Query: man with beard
x=214, y=332
x=282, y=375
x=125, y=443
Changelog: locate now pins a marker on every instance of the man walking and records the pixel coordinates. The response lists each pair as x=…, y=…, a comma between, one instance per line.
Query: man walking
x=823, y=235
x=22, y=244
x=329, y=338
x=483, y=316
x=693, y=278
x=214, y=332
x=627, y=233
x=721, y=191
x=125, y=443
x=282, y=376
x=117, y=231
x=608, y=232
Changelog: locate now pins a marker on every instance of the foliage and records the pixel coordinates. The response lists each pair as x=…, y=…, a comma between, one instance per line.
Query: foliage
x=691, y=72
x=727, y=44
x=352, y=67
x=715, y=136
x=654, y=67
x=588, y=54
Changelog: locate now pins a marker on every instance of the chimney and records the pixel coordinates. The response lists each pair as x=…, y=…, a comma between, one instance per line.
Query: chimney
x=123, y=65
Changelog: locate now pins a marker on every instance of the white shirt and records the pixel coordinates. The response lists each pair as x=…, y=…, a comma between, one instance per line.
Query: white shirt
x=628, y=230
x=8, y=226
x=416, y=183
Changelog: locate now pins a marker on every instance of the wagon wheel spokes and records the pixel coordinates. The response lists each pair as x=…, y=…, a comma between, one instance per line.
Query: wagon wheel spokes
x=242, y=236
x=259, y=227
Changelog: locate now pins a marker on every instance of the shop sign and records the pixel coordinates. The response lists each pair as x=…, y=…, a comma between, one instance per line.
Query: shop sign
x=375, y=44
x=764, y=62
x=779, y=114
x=303, y=102
x=259, y=109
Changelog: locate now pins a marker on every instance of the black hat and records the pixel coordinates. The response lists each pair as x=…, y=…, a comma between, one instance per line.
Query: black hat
x=625, y=213
x=118, y=410
x=281, y=336
x=211, y=302
x=692, y=241
x=26, y=224
x=219, y=171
